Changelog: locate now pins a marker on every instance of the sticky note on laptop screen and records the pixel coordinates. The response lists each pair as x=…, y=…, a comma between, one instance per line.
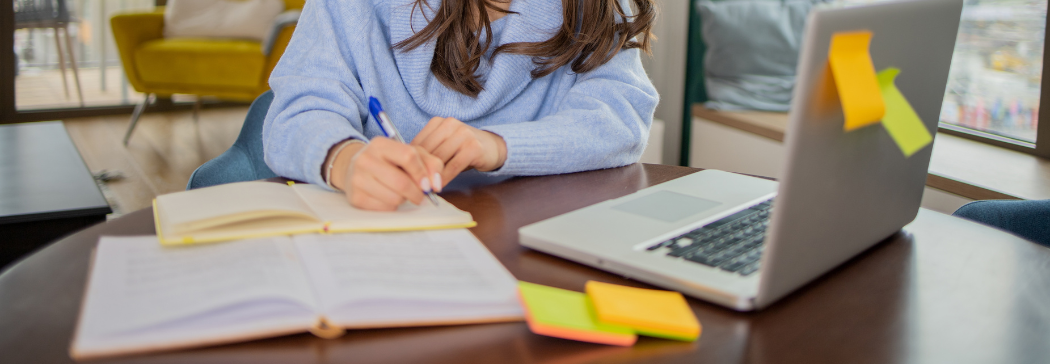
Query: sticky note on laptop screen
x=901, y=121
x=854, y=75
x=569, y=315
x=649, y=312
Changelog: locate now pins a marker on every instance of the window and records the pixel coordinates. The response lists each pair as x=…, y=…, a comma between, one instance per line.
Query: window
x=64, y=53
x=31, y=75
x=994, y=87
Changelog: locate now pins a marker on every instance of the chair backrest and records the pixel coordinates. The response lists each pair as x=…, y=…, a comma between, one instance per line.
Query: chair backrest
x=244, y=160
x=251, y=134
x=42, y=11
x=294, y=4
x=776, y=23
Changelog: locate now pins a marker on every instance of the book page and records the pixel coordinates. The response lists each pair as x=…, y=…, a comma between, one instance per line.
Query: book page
x=209, y=207
x=437, y=266
x=333, y=207
x=138, y=289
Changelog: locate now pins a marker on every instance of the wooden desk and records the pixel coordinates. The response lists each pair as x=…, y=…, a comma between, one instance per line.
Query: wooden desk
x=943, y=291
x=46, y=191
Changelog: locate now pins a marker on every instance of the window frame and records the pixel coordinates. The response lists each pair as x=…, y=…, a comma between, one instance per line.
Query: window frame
x=7, y=61
x=1041, y=146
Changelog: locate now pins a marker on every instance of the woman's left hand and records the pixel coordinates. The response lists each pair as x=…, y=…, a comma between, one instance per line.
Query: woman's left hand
x=461, y=146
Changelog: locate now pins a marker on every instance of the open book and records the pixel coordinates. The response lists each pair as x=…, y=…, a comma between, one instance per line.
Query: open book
x=255, y=209
x=142, y=296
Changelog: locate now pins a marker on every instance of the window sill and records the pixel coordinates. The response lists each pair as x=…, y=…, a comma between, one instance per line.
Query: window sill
x=960, y=166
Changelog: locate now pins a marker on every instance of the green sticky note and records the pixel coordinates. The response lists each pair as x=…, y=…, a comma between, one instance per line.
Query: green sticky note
x=900, y=120
x=570, y=315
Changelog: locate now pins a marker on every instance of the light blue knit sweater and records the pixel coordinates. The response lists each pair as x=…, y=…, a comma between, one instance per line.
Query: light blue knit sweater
x=342, y=53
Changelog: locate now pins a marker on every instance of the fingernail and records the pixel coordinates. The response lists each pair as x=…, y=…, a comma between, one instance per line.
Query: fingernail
x=437, y=182
x=425, y=184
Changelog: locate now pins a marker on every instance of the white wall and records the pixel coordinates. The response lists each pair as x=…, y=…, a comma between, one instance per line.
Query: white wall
x=666, y=68
x=653, y=153
x=942, y=201
x=729, y=149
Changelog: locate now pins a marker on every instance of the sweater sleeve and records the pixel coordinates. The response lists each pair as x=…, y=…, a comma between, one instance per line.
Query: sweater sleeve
x=602, y=122
x=318, y=100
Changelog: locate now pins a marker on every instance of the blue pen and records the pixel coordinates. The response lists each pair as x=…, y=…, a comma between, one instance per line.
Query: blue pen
x=391, y=132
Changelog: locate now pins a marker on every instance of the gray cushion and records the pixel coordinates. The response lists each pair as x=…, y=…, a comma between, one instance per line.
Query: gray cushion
x=752, y=51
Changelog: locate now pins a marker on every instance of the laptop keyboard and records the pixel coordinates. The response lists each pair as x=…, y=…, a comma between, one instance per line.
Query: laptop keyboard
x=733, y=244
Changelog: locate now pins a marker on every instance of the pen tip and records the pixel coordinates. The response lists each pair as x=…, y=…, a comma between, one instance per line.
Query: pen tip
x=374, y=106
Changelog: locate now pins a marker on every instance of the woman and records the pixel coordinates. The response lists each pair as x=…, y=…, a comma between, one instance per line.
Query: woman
x=524, y=87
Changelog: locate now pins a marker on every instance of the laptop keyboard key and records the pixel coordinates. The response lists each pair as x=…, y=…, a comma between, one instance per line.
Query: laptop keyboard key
x=747, y=270
x=751, y=257
x=682, y=251
x=709, y=260
x=658, y=246
x=733, y=266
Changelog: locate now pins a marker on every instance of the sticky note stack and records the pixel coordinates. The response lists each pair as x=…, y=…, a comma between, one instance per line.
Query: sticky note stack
x=607, y=313
x=569, y=315
x=649, y=312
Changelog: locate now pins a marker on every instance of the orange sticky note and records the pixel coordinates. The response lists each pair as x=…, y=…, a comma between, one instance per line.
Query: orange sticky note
x=855, y=80
x=650, y=312
x=569, y=315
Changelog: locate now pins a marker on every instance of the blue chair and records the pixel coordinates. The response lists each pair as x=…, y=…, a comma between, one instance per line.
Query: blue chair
x=244, y=160
x=1029, y=219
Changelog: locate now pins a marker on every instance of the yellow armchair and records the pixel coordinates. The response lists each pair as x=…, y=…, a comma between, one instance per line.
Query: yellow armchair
x=229, y=69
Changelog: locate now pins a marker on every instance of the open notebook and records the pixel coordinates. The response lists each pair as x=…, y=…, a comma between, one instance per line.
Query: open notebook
x=255, y=209
x=144, y=297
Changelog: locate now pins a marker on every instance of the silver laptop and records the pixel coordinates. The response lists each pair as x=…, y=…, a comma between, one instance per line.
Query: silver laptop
x=745, y=242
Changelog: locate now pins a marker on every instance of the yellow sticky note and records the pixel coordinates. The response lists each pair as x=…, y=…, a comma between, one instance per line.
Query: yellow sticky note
x=854, y=75
x=649, y=312
x=901, y=121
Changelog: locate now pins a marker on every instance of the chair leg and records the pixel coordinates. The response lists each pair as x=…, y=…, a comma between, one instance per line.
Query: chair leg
x=61, y=61
x=135, y=116
x=73, y=64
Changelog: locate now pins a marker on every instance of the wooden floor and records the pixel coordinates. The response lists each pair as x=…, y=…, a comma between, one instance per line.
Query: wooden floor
x=164, y=150
x=43, y=89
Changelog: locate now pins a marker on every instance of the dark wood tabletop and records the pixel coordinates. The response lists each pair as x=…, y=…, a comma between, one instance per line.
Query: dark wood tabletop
x=43, y=175
x=46, y=190
x=944, y=290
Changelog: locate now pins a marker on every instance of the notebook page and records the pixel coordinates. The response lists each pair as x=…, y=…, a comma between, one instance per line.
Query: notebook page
x=199, y=209
x=333, y=207
x=137, y=284
x=436, y=266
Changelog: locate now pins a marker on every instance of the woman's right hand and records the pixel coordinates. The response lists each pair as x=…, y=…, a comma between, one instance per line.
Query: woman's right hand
x=384, y=173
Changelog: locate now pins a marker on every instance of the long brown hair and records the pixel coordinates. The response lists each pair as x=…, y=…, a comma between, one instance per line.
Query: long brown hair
x=590, y=35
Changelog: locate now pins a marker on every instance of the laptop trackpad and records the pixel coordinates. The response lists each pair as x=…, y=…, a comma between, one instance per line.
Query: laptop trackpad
x=666, y=206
